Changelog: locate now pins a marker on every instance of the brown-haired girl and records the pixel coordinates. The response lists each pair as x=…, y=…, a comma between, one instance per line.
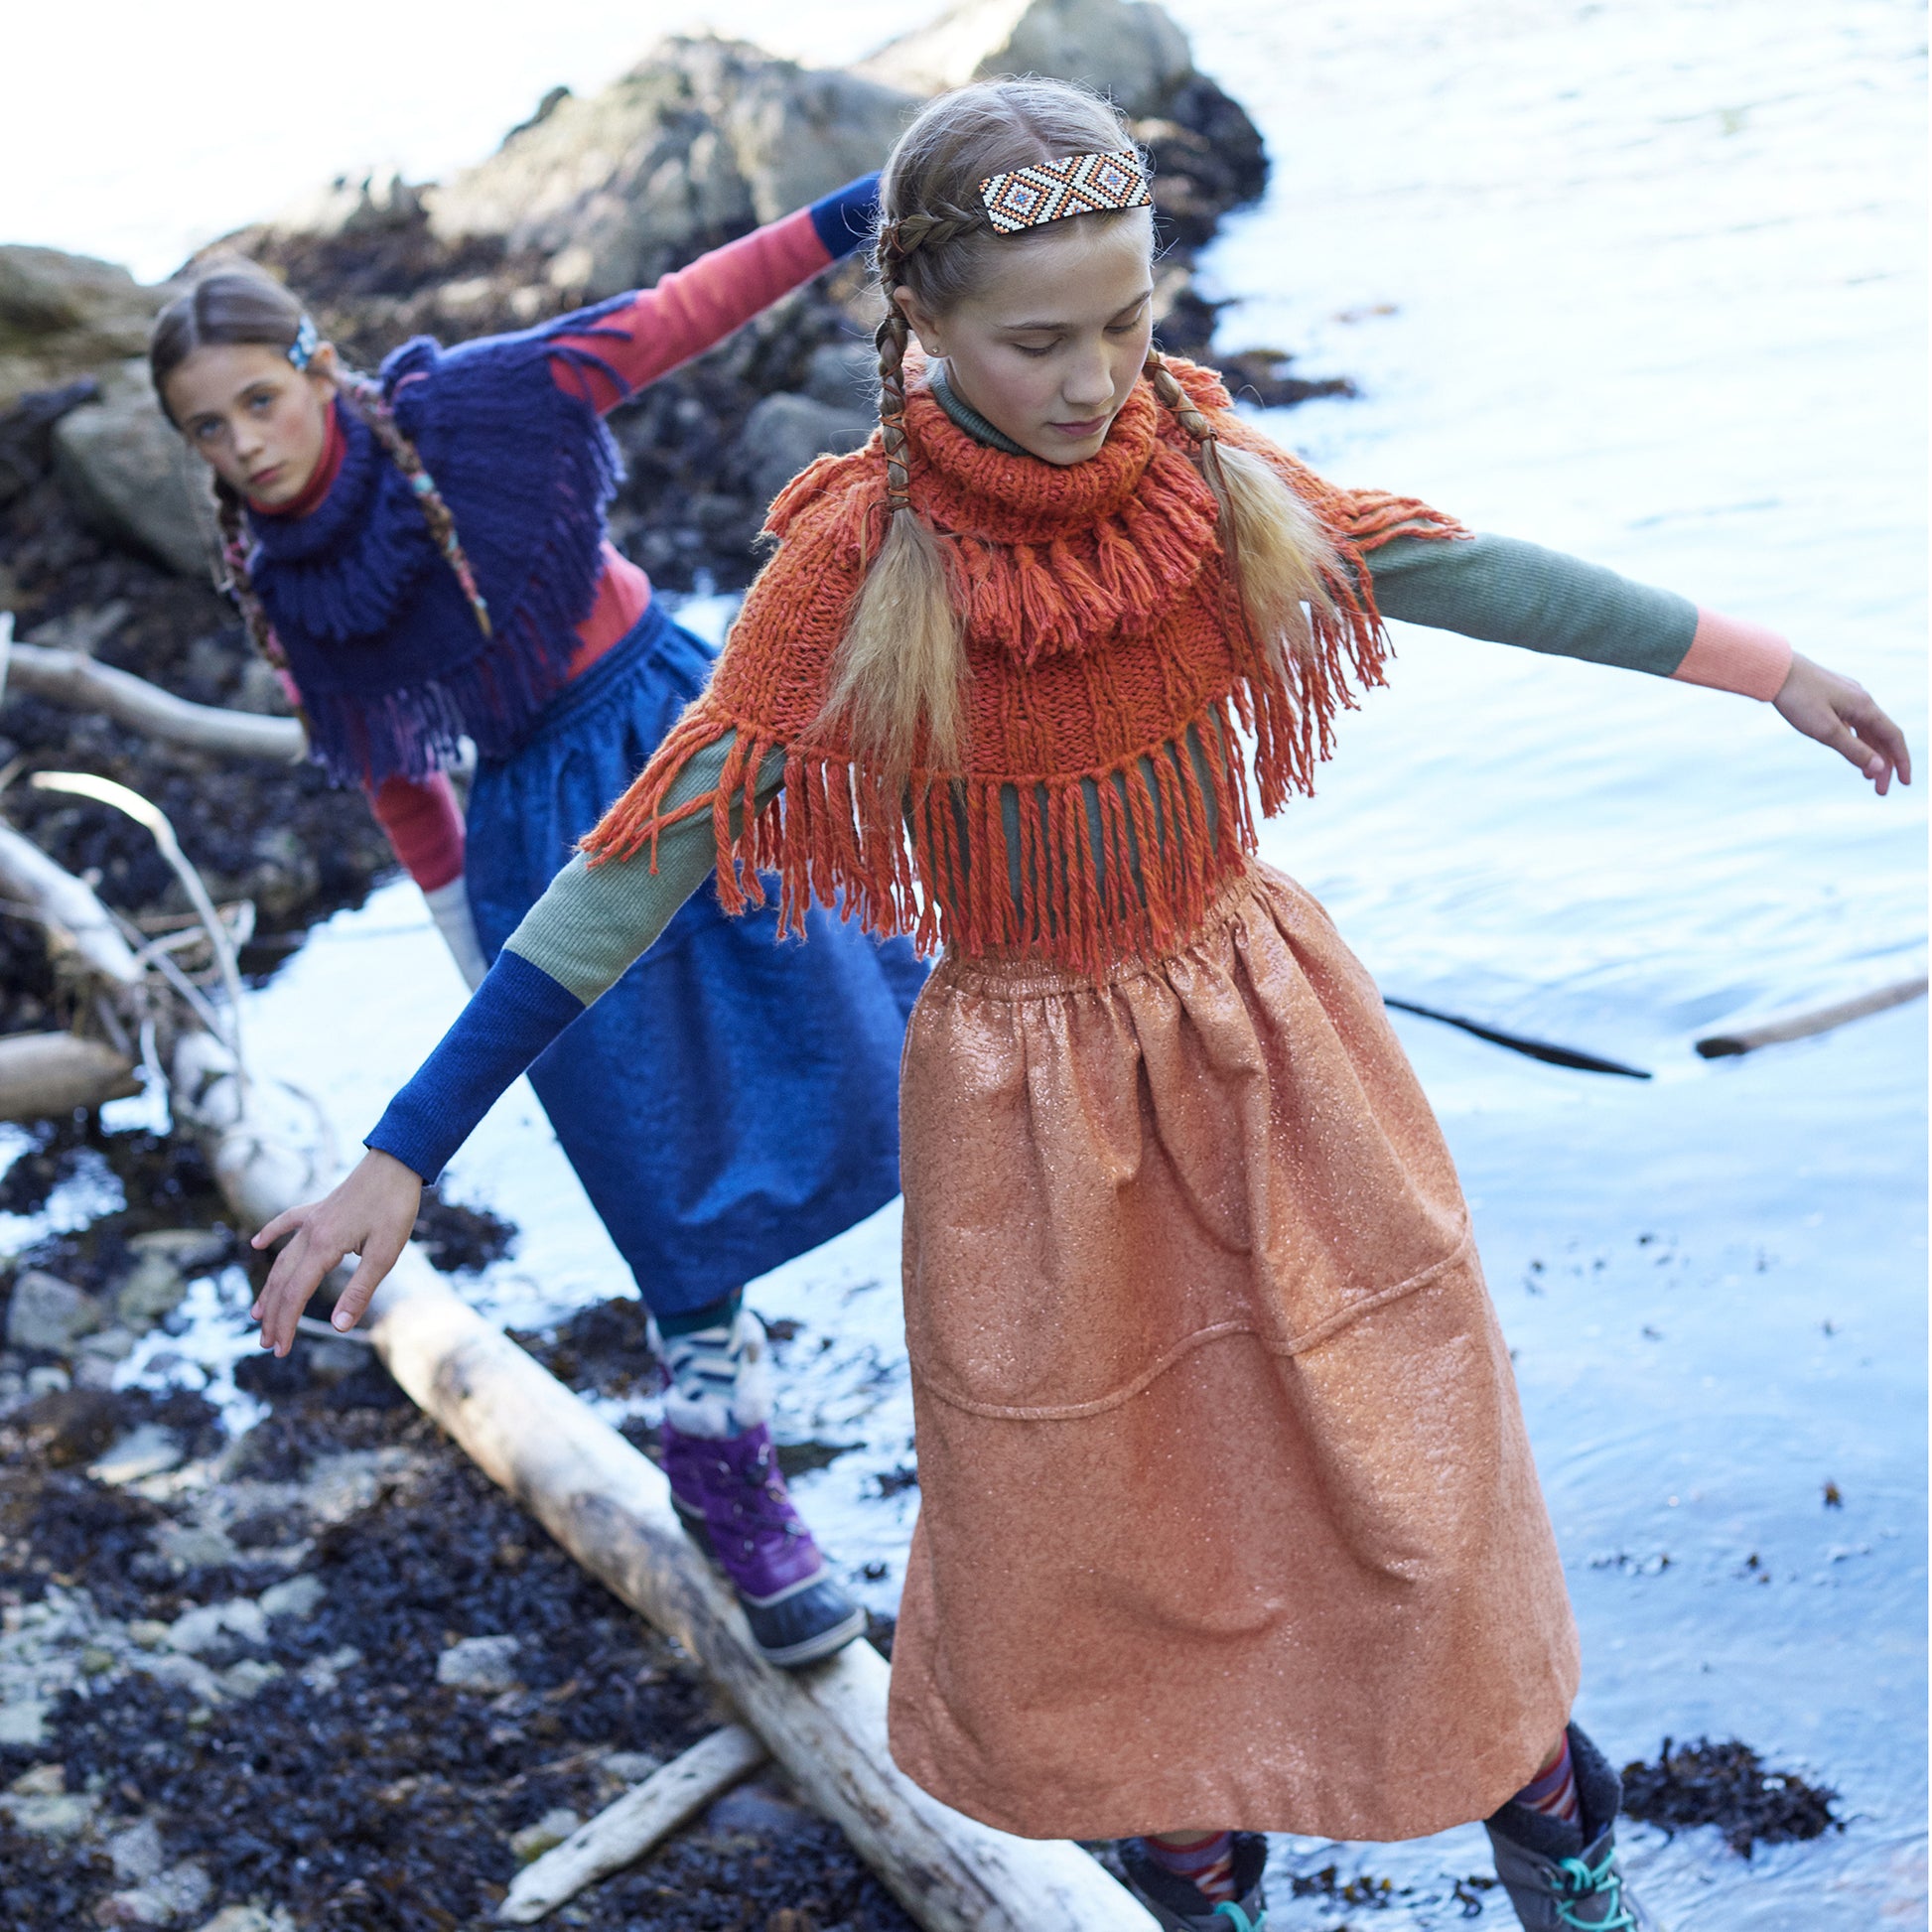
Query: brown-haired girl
x=1229, y=1521
x=423, y=555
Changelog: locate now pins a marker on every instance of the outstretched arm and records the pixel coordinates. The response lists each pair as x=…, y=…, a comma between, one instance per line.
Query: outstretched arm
x=574, y=946
x=695, y=307
x=1515, y=592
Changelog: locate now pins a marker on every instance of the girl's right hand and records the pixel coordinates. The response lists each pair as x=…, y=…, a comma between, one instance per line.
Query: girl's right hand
x=369, y=1214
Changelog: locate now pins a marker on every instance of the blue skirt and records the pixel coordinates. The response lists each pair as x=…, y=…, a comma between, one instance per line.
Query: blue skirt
x=732, y=1101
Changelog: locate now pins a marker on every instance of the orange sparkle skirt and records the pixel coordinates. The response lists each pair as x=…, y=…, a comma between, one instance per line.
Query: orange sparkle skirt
x=1228, y=1513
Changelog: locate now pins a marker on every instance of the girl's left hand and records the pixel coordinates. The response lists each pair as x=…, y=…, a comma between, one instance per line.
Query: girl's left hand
x=1845, y=715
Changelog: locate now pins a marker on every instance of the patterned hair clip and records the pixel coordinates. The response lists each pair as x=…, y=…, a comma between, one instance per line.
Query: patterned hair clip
x=1050, y=191
x=305, y=343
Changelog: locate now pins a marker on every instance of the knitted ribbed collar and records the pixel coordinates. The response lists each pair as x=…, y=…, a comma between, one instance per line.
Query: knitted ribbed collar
x=965, y=415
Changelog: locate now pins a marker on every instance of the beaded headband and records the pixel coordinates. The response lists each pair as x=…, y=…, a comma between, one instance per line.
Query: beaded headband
x=305, y=343
x=1078, y=184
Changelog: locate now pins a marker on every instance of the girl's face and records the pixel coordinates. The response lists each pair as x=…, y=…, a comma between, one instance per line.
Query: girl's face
x=260, y=422
x=1049, y=346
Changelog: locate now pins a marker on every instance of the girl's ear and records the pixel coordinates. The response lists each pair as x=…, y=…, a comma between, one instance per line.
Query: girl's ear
x=322, y=364
x=926, y=324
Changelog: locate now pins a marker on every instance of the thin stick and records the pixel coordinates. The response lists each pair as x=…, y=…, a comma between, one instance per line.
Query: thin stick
x=622, y=1833
x=1818, y=1019
x=1537, y=1050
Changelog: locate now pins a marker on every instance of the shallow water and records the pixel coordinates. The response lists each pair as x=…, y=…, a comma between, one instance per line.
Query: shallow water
x=1643, y=283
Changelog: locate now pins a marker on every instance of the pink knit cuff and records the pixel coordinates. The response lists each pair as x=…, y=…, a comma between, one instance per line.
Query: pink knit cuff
x=1732, y=654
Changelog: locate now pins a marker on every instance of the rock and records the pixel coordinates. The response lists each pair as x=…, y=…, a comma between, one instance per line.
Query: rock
x=479, y=1664
x=136, y=1853
x=249, y=1918
x=46, y=1380
x=193, y=1250
x=1127, y=50
x=51, y=1814
x=149, y=1450
x=43, y=1781
x=785, y=432
x=149, y=1291
x=631, y=1767
x=48, y=1314
x=168, y=1897
x=550, y=1831
x=703, y=139
x=244, y=1680
x=147, y=1633
x=61, y=315
x=128, y=473
x=196, y=1546
x=844, y=376
x=205, y=1626
x=322, y=1674
x=23, y=1722
x=299, y=1596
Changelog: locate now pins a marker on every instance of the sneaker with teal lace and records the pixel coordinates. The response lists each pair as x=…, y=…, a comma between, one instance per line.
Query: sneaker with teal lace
x=1179, y=1906
x=1564, y=1878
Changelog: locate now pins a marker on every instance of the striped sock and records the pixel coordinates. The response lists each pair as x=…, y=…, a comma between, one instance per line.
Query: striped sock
x=717, y=1382
x=1553, y=1791
x=1207, y=1863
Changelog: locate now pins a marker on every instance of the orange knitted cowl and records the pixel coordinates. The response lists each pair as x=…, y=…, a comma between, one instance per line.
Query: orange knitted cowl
x=1101, y=633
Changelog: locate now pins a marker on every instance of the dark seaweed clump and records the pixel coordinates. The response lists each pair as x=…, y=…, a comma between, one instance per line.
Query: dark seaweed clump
x=1727, y=1785
x=355, y=1790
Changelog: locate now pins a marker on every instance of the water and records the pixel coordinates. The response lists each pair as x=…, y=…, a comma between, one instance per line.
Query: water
x=1643, y=283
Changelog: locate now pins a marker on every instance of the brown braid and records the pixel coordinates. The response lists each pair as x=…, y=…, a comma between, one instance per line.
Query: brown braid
x=241, y=585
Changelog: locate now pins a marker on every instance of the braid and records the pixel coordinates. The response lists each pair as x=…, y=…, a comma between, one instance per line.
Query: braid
x=892, y=337
x=364, y=395
x=1279, y=557
x=239, y=584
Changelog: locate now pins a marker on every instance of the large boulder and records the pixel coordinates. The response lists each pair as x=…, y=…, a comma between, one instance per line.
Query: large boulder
x=787, y=431
x=700, y=141
x=128, y=473
x=1127, y=50
x=62, y=316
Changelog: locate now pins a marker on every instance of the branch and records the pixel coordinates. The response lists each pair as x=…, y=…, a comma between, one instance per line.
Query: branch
x=67, y=677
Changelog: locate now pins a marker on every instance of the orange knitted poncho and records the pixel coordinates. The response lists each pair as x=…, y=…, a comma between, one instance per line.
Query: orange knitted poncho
x=1101, y=633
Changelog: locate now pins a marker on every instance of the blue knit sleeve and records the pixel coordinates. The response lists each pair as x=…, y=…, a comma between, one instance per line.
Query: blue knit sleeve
x=844, y=219
x=516, y=1012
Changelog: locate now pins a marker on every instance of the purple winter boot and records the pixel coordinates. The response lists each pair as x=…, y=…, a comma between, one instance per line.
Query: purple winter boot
x=730, y=1494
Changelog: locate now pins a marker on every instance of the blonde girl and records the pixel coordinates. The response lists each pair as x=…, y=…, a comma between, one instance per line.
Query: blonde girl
x=1230, y=1523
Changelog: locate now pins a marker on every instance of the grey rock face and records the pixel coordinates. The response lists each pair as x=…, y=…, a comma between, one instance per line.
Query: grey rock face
x=127, y=472
x=787, y=431
x=61, y=315
x=1127, y=50
x=49, y=1314
x=703, y=138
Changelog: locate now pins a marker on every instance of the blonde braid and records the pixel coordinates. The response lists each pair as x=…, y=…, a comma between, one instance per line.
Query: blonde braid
x=1281, y=559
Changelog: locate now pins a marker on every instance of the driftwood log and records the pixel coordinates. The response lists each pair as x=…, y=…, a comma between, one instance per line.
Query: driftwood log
x=609, y=1506
x=44, y=1076
x=70, y=677
x=623, y=1832
x=76, y=919
x=1816, y=1020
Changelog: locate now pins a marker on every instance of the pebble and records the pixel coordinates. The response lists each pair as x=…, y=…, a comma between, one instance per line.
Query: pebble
x=149, y=1450
x=47, y=1314
x=23, y=1721
x=299, y=1596
x=147, y=1633
x=55, y=1815
x=550, y=1831
x=136, y=1853
x=244, y=1680
x=479, y=1664
x=631, y=1768
x=177, y=1894
x=199, y=1630
x=323, y=1673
